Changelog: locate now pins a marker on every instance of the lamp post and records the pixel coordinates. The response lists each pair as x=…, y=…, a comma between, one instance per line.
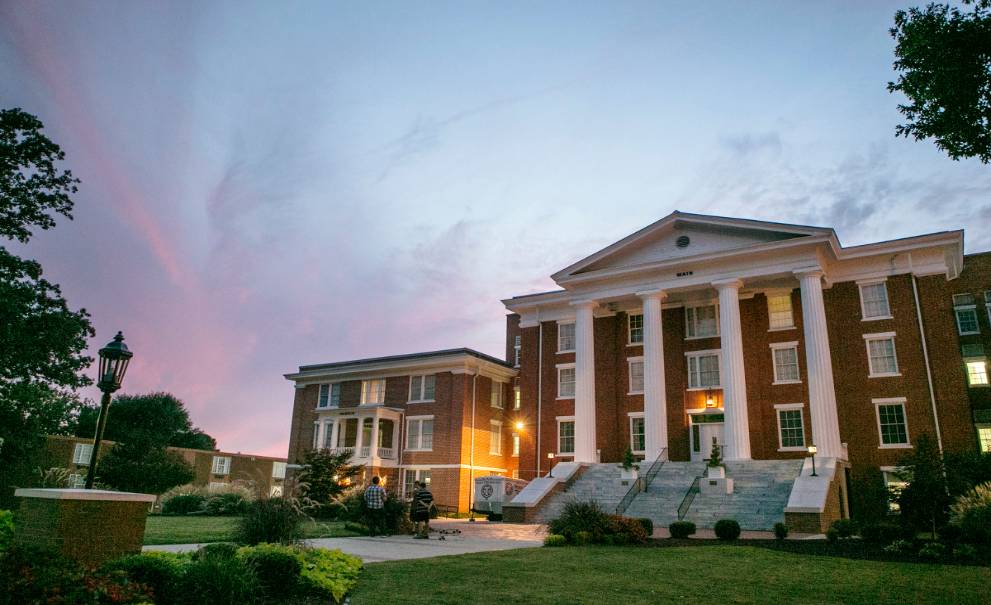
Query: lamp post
x=113, y=365
x=550, y=463
x=812, y=450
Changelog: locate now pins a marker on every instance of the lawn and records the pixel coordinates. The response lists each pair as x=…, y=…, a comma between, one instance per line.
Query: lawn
x=710, y=574
x=197, y=529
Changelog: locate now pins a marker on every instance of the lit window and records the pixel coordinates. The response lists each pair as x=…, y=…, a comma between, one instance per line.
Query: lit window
x=894, y=483
x=566, y=381
x=638, y=440
x=565, y=337
x=965, y=310
x=791, y=430
x=373, y=391
x=517, y=400
x=516, y=445
x=891, y=422
x=422, y=388
x=636, y=375
x=221, y=465
x=881, y=357
x=412, y=476
x=495, y=395
x=785, y=362
x=703, y=370
x=984, y=437
x=779, y=315
x=701, y=321
x=566, y=437
x=278, y=470
x=82, y=454
x=495, y=438
x=977, y=373
x=420, y=433
x=636, y=328
x=874, y=301
x=517, y=346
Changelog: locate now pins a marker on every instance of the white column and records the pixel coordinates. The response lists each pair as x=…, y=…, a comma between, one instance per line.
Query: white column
x=335, y=429
x=655, y=409
x=321, y=433
x=358, y=438
x=731, y=372
x=584, y=383
x=374, y=452
x=822, y=394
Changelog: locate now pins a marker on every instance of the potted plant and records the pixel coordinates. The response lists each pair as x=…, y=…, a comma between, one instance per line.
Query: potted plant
x=629, y=468
x=716, y=468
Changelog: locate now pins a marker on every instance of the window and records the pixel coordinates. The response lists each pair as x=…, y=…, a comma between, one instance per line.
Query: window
x=785, y=356
x=516, y=474
x=638, y=440
x=82, y=454
x=495, y=395
x=275, y=491
x=566, y=381
x=703, y=369
x=495, y=437
x=420, y=433
x=565, y=337
x=216, y=486
x=984, y=437
x=987, y=303
x=977, y=372
x=791, y=430
x=636, y=375
x=328, y=434
x=701, y=321
x=566, y=435
x=278, y=470
x=221, y=465
x=517, y=400
x=636, y=329
x=891, y=422
x=779, y=315
x=422, y=388
x=516, y=445
x=372, y=391
x=517, y=346
x=894, y=483
x=881, y=358
x=316, y=435
x=411, y=476
x=874, y=300
x=76, y=481
x=330, y=395
x=966, y=312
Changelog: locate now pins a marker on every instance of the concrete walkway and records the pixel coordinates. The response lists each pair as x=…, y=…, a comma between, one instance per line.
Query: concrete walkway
x=450, y=537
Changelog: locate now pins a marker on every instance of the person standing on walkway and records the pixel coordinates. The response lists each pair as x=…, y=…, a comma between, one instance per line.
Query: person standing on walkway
x=420, y=510
x=375, y=501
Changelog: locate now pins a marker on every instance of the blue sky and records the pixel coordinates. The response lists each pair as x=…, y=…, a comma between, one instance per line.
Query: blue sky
x=272, y=184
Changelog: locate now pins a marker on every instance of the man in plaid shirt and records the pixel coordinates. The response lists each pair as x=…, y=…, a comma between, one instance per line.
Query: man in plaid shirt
x=375, y=501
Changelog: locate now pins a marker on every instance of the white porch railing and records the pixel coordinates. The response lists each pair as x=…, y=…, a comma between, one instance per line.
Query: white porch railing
x=386, y=452
x=365, y=452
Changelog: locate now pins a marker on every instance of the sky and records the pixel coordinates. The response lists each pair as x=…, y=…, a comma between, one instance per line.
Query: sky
x=267, y=185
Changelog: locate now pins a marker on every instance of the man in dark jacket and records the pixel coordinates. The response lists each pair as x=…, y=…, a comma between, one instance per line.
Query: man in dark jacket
x=420, y=510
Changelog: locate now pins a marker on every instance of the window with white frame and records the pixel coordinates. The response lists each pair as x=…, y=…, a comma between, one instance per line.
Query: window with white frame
x=636, y=375
x=891, y=423
x=791, y=428
x=881, y=357
x=984, y=437
x=82, y=454
x=965, y=309
x=517, y=347
x=516, y=445
x=517, y=400
x=316, y=435
x=76, y=481
x=566, y=435
x=275, y=491
x=516, y=474
x=495, y=395
x=372, y=391
x=779, y=313
x=566, y=381
x=703, y=369
x=701, y=321
x=278, y=470
x=874, y=300
x=419, y=433
x=635, y=328
x=638, y=436
x=411, y=476
x=328, y=434
x=422, y=387
x=977, y=372
x=216, y=486
x=330, y=395
x=566, y=337
x=495, y=437
x=894, y=483
x=221, y=465
x=785, y=355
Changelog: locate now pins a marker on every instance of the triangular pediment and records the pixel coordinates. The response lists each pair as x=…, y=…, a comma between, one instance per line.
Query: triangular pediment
x=682, y=235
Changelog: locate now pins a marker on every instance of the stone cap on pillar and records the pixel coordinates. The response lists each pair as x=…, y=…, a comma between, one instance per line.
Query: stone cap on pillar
x=655, y=293
x=731, y=282
x=82, y=494
x=584, y=302
x=808, y=272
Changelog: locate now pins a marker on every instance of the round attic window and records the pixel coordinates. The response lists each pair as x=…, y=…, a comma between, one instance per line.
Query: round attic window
x=682, y=242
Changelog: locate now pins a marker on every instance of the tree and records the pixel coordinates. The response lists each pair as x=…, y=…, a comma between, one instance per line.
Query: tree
x=326, y=475
x=159, y=419
x=944, y=59
x=924, y=503
x=141, y=466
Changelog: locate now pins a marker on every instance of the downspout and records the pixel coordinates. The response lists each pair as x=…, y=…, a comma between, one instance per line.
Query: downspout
x=540, y=383
x=471, y=456
x=925, y=355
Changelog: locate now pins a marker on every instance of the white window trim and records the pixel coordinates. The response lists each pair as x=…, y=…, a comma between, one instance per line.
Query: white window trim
x=956, y=318
x=860, y=291
x=774, y=366
x=78, y=457
x=629, y=327
x=776, y=294
x=564, y=322
x=492, y=451
x=419, y=434
x=365, y=391
x=631, y=416
x=515, y=443
x=784, y=407
x=499, y=388
x=220, y=469
x=423, y=389
x=894, y=350
x=275, y=467
x=561, y=419
x=711, y=303
x=517, y=349
x=517, y=397
x=878, y=402
x=629, y=375
x=705, y=353
x=987, y=371
x=565, y=366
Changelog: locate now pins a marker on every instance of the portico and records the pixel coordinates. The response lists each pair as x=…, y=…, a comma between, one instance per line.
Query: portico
x=370, y=433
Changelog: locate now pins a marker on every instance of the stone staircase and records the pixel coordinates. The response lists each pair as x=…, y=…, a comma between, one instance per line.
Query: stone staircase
x=599, y=482
x=661, y=500
x=760, y=493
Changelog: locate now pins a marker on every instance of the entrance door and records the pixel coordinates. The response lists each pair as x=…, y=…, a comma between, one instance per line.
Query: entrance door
x=705, y=427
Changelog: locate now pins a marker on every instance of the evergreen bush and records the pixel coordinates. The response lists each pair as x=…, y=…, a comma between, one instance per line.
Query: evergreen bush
x=727, y=529
x=681, y=529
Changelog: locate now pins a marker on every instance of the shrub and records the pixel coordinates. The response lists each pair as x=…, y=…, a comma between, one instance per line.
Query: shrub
x=648, y=525
x=681, y=529
x=932, y=551
x=581, y=516
x=965, y=552
x=277, y=568
x=272, y=520
x=832, y=535
x=215, y=576
x=727, y=529
x=972, y=514
x=161, y=572
x=395, y=519
x=780, y=531
x=627, y=530
x=582, y=538
x=225, y=550
x=183, y=504
x=555, y=540
x=845, y=528
x=6, y=528
x=328, y=573
x=230, y=503
x=883, y=533
x=900, y=547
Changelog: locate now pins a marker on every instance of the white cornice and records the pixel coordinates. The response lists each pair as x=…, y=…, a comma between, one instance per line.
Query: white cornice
x=459, y=363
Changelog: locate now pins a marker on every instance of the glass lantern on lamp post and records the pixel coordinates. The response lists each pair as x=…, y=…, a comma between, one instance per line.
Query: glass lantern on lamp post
x=812, y=451
x=114, y=359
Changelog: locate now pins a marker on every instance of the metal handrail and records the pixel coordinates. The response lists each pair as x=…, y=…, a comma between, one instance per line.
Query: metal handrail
x=642, y=483
x=686, y=502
